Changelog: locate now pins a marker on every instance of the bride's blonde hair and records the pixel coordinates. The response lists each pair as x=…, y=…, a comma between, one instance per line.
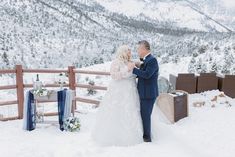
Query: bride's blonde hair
x=122, y=53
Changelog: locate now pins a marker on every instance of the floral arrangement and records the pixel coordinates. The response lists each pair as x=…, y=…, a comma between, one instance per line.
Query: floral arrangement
x=72, y=124
x=41, y=92
x=62, y=79
x=91, y=91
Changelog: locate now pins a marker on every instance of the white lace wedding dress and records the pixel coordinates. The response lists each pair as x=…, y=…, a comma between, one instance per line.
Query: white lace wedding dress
x=118, y=121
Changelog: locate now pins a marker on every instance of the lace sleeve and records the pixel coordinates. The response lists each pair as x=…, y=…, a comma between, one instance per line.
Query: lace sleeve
x=118, y=72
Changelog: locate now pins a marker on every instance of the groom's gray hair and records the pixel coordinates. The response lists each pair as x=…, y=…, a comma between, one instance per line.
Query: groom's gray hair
x=145, y=43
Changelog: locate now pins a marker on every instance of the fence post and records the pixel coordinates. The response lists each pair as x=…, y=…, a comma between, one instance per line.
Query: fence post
x=72, y=82
x=20, y=90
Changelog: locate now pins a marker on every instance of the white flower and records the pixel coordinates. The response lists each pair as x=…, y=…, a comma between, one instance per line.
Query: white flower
x=45, y=92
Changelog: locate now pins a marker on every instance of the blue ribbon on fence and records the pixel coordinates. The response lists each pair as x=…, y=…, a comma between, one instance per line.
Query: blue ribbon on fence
x=31, y=113
x=61, y=96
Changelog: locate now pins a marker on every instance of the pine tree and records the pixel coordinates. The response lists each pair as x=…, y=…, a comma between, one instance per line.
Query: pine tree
x=225, y=69
x=176, y=59
x=233, y=70
x=202, y=49
x=165, y=60
x=199, y=66
x=228, y=62
x=5, y=58
x=204, y=68
x=214, y=67
x=195, y=54
x=192, y=66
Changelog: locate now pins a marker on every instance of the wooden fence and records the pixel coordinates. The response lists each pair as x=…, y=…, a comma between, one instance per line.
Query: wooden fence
x=20, y=86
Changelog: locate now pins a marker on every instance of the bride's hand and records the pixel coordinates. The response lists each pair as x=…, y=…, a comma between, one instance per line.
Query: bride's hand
x=131, y=66
x=137, y=64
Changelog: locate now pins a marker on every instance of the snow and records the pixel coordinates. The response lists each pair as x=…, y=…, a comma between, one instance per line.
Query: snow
x=169, y=68
x=170, y=11
x=123, y=6
x=228, y=3
x=206, y=132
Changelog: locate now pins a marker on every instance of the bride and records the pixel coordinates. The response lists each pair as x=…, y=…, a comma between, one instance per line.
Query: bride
x=118, y=120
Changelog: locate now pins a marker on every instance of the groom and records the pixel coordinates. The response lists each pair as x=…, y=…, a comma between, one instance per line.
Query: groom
x=147, y=74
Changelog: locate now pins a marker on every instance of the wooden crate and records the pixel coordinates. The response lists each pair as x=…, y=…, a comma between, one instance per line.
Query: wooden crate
x=185, y=82
x=207, y=82
x=227, y=85
x=173, y=106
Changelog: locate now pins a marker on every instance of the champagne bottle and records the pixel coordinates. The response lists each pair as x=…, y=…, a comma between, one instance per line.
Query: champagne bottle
x=37, y=83
x=37, y=78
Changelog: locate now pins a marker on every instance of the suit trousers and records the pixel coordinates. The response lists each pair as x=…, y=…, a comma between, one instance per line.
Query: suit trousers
x=146, y=108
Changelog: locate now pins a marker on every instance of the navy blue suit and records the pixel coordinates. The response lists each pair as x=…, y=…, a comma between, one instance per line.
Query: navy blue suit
x=148, y=90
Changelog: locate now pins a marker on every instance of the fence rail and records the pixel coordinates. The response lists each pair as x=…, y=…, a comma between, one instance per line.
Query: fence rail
x=8, y=87
x=20, y=86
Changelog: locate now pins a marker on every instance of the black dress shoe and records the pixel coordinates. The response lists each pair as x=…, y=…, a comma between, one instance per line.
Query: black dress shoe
x=147, y=140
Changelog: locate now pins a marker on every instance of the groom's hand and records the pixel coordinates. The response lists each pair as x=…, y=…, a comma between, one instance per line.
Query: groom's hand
x=131, y=66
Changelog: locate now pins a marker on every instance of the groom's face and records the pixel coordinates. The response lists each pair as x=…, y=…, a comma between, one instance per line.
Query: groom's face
x=141, y=50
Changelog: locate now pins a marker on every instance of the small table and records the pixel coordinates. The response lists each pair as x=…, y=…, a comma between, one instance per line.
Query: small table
x=52, y=97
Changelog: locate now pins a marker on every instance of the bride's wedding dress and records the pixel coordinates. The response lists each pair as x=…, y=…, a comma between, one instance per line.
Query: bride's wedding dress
x=118, y=121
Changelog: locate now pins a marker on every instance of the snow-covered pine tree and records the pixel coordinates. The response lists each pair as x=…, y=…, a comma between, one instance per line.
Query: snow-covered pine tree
x=165, y=59
x=202, y=49
x=225, y=69
x=176, y=59
x=204, y=68
x=192, y=66
x=5, y=59
x=228, y=62
x=214, y=67
x=199, y=66
x=233, y=70
x=195, y=54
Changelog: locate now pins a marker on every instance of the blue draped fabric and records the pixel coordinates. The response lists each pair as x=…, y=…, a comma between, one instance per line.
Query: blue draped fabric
x=61, y=96
x=31, y=113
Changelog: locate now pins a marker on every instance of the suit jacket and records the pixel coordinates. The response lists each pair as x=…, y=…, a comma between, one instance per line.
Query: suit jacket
x=147, y=78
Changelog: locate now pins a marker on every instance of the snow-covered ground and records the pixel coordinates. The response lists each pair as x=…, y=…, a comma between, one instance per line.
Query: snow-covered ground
x=208, y=131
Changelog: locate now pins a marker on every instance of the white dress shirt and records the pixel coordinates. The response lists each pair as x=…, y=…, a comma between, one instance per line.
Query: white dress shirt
x=146, y=56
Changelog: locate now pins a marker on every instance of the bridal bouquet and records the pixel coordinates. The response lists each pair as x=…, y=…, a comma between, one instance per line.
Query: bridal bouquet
x=72, y=124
